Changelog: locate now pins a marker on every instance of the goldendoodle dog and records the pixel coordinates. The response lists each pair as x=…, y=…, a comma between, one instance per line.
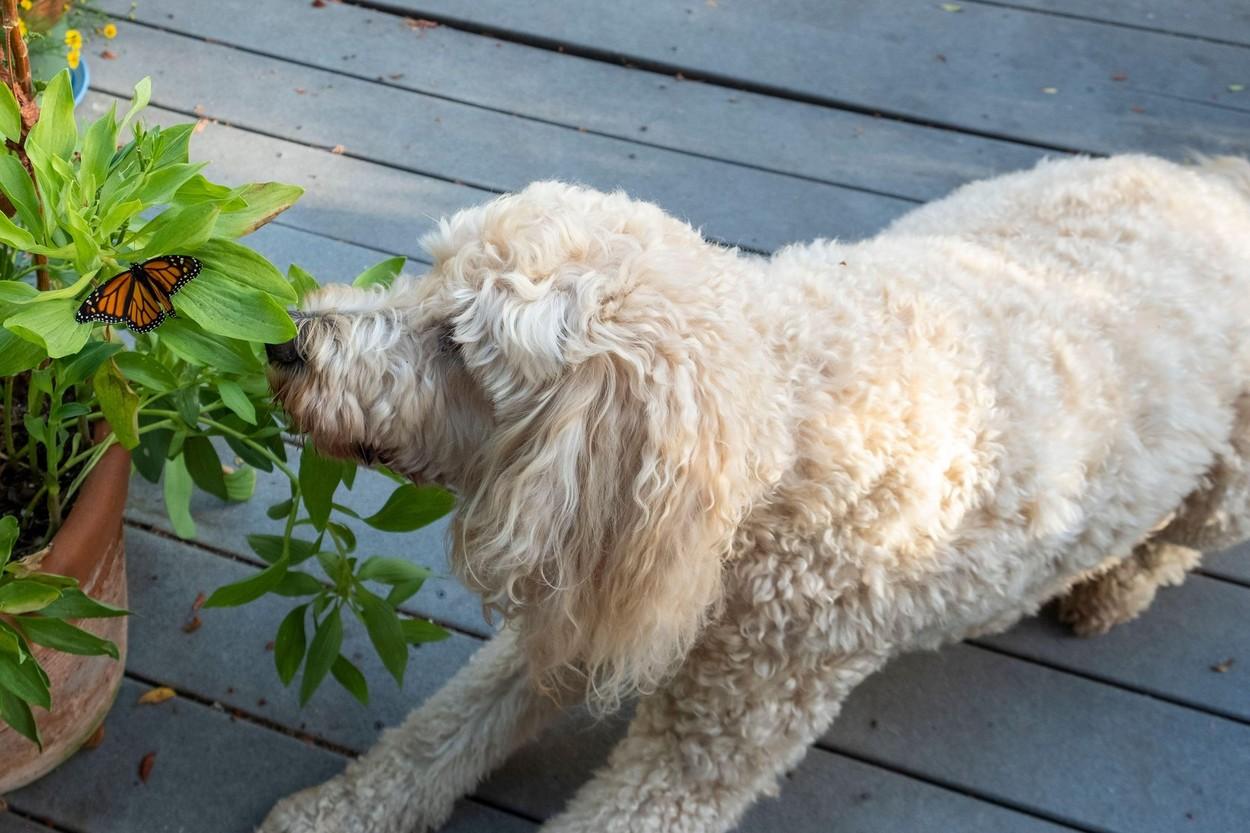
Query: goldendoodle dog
x=735, y=486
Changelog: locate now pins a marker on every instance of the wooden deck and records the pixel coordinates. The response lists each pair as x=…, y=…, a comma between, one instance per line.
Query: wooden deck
x=810, y=118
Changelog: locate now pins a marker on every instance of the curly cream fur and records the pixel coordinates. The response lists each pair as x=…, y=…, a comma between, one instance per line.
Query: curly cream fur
x=739, y=485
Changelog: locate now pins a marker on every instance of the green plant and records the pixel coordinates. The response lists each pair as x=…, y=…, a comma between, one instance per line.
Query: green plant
x=85, y=203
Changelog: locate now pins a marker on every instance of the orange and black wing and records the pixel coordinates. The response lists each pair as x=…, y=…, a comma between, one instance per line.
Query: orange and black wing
x=140, y=296
x=170, y=273
x=108, y=303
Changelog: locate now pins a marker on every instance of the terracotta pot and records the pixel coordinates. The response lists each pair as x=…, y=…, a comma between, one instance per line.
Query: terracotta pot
x=88, y=547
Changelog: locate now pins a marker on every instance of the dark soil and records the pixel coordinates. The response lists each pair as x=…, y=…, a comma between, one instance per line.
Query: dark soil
x=19, y=485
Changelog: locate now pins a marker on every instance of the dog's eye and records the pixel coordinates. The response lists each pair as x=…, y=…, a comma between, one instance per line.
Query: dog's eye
x=447, y=343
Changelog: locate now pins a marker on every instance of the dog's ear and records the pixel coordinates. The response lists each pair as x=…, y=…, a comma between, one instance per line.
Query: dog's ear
x=603, y=513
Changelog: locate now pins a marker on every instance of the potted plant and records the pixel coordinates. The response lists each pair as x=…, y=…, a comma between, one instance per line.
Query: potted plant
x=57, y=32
x=132, y=327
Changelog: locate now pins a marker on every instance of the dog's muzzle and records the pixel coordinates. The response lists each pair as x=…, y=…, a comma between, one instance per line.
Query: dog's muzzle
x=286, y=354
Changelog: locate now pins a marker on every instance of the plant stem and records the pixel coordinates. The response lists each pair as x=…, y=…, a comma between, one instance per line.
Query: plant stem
x=278, y=462
x=10, y=449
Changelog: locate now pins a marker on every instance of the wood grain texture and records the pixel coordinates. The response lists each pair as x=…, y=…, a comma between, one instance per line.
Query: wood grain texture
x=482, y=148
x=823, y=143
x=994, y=69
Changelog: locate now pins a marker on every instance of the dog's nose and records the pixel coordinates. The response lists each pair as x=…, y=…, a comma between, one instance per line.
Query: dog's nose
x=286, y=354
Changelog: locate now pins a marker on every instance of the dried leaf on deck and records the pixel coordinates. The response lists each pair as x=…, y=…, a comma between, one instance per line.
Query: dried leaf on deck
x=157, y=695
x=145, y=766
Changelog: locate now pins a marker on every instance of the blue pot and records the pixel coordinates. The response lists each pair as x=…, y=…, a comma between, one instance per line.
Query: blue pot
x=80, y=80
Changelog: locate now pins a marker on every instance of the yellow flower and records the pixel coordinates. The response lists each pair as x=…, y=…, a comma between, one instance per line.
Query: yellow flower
x=73, y=38
x=27, y=5
x=72, y=58
x=21, y=27
x=109, y=31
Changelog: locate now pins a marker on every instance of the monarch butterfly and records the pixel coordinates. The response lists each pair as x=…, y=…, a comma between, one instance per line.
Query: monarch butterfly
x=140, y=296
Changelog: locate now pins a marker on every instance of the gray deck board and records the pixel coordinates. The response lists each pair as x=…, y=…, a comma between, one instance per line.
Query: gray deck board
x=807, y=140
x=995, y=65
x=212, y=774
x=1220, y=20
x=422, y=134
x=215, y=663
x=1233, y=564
x=12, y=823
x=1170, y=651
x=1076, y=750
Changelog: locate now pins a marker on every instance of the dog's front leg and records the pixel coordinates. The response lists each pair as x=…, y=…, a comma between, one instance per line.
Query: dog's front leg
x=410, y=780
x=701, y=751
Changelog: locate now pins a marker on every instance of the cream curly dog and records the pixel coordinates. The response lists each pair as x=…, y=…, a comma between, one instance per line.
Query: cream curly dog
x=737, y=486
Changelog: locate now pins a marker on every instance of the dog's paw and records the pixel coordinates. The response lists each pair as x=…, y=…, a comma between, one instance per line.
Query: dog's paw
x=331, y=807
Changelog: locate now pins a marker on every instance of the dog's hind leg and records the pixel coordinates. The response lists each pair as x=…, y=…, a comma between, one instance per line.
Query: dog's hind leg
x=699, y=752
x=1211, y=518
x=409, y=781
x=1121, y=592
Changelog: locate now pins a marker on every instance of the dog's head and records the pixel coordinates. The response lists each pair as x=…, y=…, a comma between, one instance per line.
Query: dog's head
x=563, y=367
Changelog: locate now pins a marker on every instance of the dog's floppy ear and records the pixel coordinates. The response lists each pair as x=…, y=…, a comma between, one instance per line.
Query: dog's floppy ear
x=603, y=514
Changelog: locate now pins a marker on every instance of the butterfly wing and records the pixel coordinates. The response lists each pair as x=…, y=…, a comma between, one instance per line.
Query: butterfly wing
x=140, y=296
x=146, y=309
x=108, y=303
x=170, y=273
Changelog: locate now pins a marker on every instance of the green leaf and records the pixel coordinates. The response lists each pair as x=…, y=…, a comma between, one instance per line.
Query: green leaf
x=149, y=455
x=198, y=189
x=382, y=274
x=250, y=589
x=13, y=235
x=10, y=115
x=326, y=643
x=402, y=592
x=318, y=479
x=296, y=583
x=88, y=361
x=25, y=596
x=280, y=510
x=411, y=507
x=50, y=322
x=205, y=466
x=18, y=355
x=17, y=185
x=9, y=531
x=146, y=371
x=160, y=185
x=75, y=604
x=343, y=536
x=98, y=147
x=236, y=400
x=269, y=548
x=289, y=645
x=143, y=94
x=240, y=264
x=119, y=403
x=175, y=230
x=302, y=282
x=62, y=636
x=22, y=679
x=385, y=632
x=391, y=570
x=189, y=342
x=18, y=715
x=177, y=491
x=264, y=201
x=249, y=454
x=56, y=132
x=350, y=678
x=229, y=308
x=119, y=214
x=418, y=631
